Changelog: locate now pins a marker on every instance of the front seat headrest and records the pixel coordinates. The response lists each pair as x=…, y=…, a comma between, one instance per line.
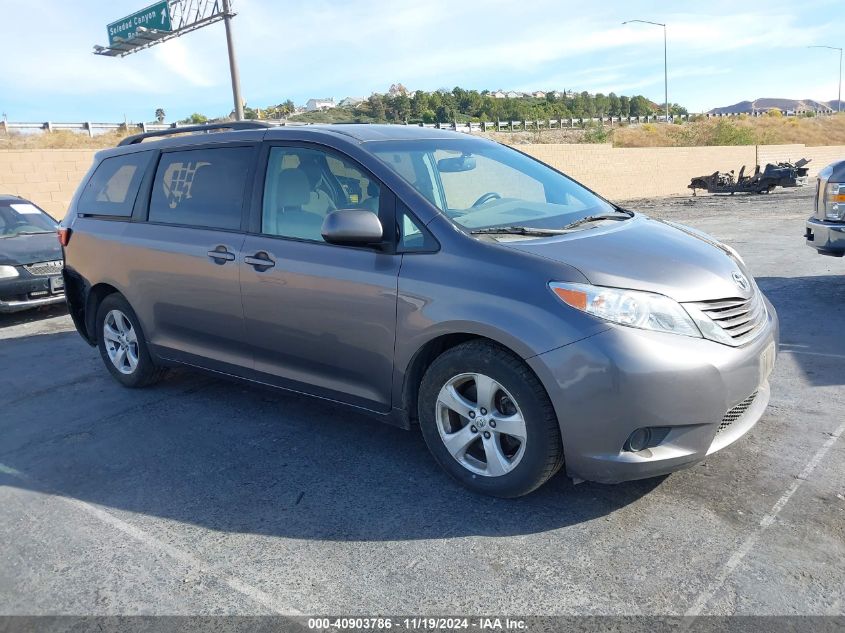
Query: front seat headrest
x=294, y=190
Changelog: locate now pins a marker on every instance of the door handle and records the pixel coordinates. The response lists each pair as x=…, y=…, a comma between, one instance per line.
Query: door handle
x=260, y=261
x=221, y=255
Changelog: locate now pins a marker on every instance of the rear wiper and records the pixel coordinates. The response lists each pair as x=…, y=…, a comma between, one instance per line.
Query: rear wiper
x=517, y=230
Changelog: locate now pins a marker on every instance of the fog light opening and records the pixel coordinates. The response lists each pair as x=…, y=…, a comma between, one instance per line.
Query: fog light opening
x=646, y=437
x=638, y=440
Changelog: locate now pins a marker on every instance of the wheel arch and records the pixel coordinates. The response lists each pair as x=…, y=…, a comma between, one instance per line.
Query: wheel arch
x=95, y=297
x=427, y=353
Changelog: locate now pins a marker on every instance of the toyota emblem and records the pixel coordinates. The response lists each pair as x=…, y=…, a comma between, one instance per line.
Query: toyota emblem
x=741, y=280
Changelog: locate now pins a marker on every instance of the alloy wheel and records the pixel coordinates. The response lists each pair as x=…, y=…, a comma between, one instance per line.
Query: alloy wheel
x=481, y=424
x=121, y=341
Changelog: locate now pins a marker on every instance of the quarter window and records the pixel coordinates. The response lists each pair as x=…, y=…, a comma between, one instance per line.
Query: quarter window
x=202, y=187
x=304, y=185
x=114, y=185
x=412, y=237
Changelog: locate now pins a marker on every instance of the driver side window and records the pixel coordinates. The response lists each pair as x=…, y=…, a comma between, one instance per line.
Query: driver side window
x=464, y=188
x=304, y=185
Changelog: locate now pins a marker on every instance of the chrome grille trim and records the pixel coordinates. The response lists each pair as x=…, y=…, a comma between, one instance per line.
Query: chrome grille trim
x=44, y=268
x=736, y=413
x=738, y=321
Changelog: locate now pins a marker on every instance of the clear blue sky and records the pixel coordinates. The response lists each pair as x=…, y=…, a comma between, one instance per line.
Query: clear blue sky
x=720, y=52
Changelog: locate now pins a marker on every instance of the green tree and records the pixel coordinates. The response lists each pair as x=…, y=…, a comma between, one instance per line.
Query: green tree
x=445, y=113
x=160, y=116
x=602, y=104
x=640, y=106
x=419, y=104
x=195, y=119
x=376, y=105
x=614, y=102
x=624, y=106
x=402, y=108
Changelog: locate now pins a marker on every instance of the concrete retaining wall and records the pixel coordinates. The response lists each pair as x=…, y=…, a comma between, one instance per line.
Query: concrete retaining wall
x=620, y=173
x=49, y=177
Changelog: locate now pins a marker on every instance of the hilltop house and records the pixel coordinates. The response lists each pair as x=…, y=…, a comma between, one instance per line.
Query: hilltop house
x=319, y=104
x=351, y=102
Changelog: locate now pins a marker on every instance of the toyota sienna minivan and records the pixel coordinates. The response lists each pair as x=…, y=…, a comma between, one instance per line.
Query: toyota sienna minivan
x=428, y=277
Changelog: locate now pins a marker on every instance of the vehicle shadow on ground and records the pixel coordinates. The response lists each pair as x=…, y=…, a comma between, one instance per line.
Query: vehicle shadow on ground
x=812, y=323
x=234, y=458
x=31, y=316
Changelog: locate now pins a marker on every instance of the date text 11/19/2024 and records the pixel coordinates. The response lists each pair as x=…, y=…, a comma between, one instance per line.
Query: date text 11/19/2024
x=383, y=623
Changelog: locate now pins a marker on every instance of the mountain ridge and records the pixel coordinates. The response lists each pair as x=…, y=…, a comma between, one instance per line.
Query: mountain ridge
x=765, y=104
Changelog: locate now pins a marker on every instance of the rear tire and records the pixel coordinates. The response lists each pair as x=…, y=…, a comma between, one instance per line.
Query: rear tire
x=122, y=345
x=488, y=421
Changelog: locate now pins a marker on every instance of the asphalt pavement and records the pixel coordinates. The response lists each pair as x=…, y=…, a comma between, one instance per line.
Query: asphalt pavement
x=201, y=496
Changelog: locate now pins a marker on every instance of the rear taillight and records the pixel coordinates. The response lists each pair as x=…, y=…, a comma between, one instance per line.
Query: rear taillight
x=64, y=236
x=833, y=201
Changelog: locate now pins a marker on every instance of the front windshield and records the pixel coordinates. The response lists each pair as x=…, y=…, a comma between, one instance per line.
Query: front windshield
x=480, y=184
x=20, y=218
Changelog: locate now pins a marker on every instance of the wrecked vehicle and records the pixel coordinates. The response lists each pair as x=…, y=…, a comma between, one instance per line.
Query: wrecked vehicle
x=789, y=174
x=783, y=174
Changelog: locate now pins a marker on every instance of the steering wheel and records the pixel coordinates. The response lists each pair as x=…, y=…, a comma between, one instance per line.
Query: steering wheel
x=487, y=197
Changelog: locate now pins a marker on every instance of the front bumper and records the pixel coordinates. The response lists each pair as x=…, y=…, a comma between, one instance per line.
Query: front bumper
x=606, y=386
x=828, y=238
x=28, y=291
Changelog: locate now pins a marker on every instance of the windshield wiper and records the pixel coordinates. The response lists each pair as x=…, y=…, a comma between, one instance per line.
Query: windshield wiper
x=595, y=218
x=517, y=230
x=529, y=230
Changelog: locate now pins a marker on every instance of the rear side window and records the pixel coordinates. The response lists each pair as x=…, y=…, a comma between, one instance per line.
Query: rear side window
x=114, y=186
x=201, y=187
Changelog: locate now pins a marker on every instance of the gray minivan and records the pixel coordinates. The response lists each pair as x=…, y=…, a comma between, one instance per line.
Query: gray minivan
x=430, y=278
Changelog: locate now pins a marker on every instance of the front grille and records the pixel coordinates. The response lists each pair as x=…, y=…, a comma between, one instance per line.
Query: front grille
x=740, y=319
x=736, y=413
x=45, y=268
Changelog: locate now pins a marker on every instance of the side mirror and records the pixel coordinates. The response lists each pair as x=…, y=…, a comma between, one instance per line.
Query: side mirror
x=352, y=227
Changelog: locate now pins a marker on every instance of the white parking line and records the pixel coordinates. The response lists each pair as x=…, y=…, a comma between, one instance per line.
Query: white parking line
x=798, y=351
x=749, y=543
x=233, y=582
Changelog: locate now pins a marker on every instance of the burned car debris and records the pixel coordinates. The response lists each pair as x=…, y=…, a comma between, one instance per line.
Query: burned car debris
x=783, y=174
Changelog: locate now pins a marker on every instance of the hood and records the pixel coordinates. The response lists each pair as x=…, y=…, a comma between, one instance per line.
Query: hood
x=28, y=249
x=645, y=254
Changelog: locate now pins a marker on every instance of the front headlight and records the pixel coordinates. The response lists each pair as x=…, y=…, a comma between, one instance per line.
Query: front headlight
x=8, y=272
x=645, y=310
x=834, y=201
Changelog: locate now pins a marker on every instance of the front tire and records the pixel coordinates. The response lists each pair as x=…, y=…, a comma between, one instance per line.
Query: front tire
x=122, y=345
x=488, y=421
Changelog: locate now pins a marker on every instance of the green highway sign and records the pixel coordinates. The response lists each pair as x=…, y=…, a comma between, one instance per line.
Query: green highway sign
x=154, y=17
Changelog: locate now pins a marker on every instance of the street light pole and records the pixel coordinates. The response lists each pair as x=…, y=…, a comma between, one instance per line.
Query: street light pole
x=665, y=62
x=836, y=48
x=233, y=63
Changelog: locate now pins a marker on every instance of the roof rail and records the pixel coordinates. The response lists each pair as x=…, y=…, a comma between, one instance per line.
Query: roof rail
x=231, y=125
